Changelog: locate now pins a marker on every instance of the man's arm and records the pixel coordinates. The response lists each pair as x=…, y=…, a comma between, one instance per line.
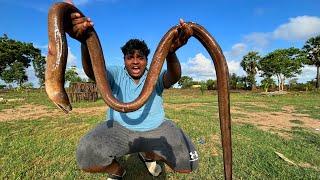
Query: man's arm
x=173, y=73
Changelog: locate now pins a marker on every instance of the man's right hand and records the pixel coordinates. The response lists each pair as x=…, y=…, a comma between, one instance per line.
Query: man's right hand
x=80, y=25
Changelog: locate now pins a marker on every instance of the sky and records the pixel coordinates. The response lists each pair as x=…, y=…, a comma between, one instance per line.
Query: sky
x=239, y=26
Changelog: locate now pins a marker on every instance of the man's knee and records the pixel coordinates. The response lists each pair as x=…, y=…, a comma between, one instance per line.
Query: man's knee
x=89, y=157
x=82, y=154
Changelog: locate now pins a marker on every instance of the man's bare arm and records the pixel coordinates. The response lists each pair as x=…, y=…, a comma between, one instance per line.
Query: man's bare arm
x=173, y=73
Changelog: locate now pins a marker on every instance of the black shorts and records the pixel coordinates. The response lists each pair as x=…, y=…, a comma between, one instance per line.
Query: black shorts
x=110, y=140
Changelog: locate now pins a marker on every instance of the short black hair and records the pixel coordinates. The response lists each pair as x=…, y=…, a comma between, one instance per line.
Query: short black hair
x=135, y=44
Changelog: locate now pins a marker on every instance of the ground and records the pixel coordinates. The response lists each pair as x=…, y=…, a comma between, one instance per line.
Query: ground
x=273, y=136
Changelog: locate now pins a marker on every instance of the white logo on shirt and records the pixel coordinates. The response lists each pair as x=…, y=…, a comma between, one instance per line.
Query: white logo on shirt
x=194, y=156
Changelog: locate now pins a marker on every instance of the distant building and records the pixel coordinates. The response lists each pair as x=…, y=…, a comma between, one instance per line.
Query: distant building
x=196, y=86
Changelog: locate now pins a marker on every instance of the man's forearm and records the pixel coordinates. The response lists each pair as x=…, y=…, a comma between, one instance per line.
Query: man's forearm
x=86, y=61
x=173, y=68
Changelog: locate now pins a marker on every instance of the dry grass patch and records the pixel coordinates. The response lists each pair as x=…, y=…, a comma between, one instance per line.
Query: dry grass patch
x=31, y=111
x=278, y=122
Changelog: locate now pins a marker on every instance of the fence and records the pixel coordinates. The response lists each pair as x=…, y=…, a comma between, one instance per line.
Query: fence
x=82, y=92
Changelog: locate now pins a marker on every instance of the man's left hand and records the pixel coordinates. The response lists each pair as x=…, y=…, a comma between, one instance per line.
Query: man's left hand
x=184, y=32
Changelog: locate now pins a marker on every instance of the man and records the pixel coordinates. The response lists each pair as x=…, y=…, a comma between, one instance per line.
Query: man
x=145, y=131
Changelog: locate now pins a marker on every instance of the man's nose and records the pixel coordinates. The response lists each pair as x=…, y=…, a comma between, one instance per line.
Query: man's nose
x=135, y=60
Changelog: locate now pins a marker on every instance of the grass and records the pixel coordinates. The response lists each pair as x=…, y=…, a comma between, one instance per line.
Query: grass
x=45, y=147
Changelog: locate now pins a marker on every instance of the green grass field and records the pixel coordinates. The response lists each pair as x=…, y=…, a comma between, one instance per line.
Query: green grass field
x=38, y=141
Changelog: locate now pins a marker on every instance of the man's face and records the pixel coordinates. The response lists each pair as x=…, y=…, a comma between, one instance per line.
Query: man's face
x=135, y=64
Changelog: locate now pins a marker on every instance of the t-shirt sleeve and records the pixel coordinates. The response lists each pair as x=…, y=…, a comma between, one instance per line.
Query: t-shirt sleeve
x=159, y=85
x=112, y=75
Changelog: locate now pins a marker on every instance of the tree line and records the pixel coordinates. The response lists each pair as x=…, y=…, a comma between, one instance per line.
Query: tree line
x=281, y=64
x=17, y=56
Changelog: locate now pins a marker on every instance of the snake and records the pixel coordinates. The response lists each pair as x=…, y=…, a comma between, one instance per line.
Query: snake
x=59, y=20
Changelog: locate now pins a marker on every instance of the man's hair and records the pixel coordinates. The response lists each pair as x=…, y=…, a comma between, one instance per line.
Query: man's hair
x=135, y=44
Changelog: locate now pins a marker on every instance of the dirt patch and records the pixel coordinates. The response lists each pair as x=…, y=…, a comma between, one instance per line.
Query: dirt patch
x=2, y=100
x=31, y=111
x=288, y=109
x=278, y=122
x=215, y=139
x=24, y=112
x=90, y=110
x=257, y=104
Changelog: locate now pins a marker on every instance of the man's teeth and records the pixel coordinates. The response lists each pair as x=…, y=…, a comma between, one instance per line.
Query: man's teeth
x=136, y=69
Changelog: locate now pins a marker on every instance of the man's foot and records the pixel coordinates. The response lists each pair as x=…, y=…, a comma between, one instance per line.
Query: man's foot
x=152, y=166
x=116, y=177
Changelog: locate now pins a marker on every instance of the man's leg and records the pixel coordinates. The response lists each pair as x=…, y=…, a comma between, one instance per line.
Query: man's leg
x=169, y=144
x=98, y=149
x=114, y=168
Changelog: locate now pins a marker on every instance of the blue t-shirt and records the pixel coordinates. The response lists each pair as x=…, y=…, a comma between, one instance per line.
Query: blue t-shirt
x=124, y=88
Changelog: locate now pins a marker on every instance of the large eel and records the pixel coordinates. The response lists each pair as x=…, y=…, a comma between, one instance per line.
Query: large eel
x=94, y=66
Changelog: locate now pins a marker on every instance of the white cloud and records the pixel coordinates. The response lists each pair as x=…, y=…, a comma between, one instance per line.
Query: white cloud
x=298, y=28
x=258, y=39
x=238, y=49
x=71, y=61
x=308, y=73
x=82, y=74
x=199, y=68
x=202, y=68
x=32, y=76
x=234, y=67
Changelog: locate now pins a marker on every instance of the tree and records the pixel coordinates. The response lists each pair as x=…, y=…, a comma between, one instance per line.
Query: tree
x=243, y=82
x=312, y=49
x=211, y=84
x=203, y=86
x=72, y=76
x=39, y=69
x=15, y=57
x=282, y=63
x=234, y=79
x=16, y=73
x=185, y=82
x=249, y=64
x=293, y=83
x=266, y=83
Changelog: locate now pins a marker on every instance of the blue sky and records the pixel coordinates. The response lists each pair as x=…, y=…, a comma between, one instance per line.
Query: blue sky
x=238, y=26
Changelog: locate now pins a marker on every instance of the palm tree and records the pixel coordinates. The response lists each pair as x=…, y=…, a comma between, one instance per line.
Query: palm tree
x=312, y=49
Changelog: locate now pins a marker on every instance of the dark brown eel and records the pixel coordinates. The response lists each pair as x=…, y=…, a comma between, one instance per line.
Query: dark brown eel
x=94, y=67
